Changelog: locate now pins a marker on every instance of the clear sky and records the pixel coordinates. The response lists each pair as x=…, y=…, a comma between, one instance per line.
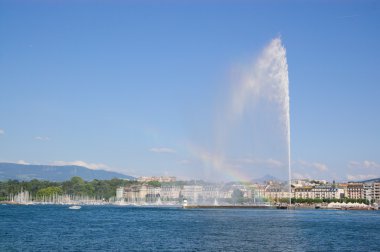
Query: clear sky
x=140, y=87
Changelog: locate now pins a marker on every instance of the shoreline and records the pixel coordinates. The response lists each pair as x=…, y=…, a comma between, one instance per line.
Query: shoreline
x=273, y=207
x=292, y=207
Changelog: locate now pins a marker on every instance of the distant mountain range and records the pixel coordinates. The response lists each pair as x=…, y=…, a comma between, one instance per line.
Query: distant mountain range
x=371, y=180
x=54, y=173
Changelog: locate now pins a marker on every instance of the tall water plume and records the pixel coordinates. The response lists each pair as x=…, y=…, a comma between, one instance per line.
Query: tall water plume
x=267, y=79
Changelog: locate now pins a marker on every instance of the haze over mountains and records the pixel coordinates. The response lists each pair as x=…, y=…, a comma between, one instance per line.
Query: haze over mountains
x=54, y=173
x=59, y=173
x=265, y=178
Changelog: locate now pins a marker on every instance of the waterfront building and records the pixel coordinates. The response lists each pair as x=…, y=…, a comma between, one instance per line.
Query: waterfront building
x=368, y=191
x=135, y=193
x=210, y=192
x=372, y=191
x=355, y=190
x=327, y=192
x=162, y=179
x=257, y=191
x=192, y=192
x=119, y=193
x=301, y=189
x=170, y=192
x=276, y=195
x=344, y=187
x=141, y=193
x=277, y=191
x=376, y=191
x=320, y=191
x=300, y=182
x=226, y=194
x=153, y=194
x=304, y=192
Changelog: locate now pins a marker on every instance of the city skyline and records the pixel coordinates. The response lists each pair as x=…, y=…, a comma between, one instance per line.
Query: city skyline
x=142, y=88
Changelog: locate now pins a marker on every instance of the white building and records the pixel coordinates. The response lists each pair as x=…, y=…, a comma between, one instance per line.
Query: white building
x=141, y=193
x=355, y=190
x=170, y=192
x=327, y=192
x=192, y=192
x=210, y=192
x=372, y=191
x=368, y=191
x=376, y=191
x=305, y=192
x=119, y=193
x=277, y=191
x=318, y=192
x=162, y=179
x=226, y=194
x=257, y=191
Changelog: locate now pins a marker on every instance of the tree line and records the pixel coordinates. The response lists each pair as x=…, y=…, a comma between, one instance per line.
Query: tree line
x=102, y=189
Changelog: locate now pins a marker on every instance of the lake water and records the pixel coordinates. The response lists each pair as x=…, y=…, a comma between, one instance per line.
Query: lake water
x=109, y=228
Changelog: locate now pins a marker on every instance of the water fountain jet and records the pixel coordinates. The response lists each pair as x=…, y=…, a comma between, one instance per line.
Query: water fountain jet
x=268, y=80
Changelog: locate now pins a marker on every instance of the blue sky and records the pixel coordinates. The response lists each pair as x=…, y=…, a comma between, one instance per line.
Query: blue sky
x=139, y=87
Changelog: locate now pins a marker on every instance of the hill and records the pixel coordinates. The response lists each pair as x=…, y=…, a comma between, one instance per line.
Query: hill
x=371, y=180
x=54, y=173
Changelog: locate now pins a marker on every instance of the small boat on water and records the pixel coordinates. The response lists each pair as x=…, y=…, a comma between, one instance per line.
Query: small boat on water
x=75, y=207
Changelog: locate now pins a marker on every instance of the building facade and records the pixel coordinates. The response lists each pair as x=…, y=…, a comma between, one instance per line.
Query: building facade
x=170, y=192
x=162, y=179
x=355, y=190
x=192, y=192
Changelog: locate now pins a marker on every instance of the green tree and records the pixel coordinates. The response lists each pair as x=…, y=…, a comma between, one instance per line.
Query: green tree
x=76, y=186
x=102, y=189
x=154, y=183
x=49, y=191
x=237, y=196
